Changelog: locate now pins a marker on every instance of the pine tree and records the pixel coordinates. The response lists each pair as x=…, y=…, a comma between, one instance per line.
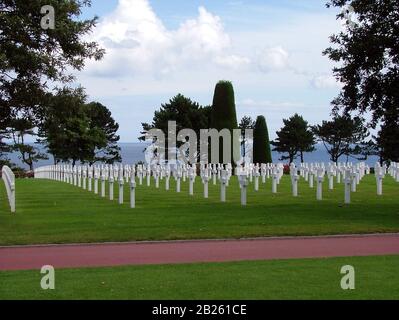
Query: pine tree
x=294, y=138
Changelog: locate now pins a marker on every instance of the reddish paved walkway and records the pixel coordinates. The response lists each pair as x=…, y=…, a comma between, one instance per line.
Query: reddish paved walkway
x=92, y=255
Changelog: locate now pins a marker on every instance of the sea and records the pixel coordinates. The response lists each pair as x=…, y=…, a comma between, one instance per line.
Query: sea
x=134, y=152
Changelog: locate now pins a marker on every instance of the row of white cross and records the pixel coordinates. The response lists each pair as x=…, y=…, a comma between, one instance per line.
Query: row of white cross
x=351, y=174
x=83, y=176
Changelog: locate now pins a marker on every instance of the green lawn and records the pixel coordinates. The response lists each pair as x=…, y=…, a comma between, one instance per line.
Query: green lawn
x=56, y=212
x=375, y=278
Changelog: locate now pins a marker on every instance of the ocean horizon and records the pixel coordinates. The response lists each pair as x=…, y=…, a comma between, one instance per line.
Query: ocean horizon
x=134, y=152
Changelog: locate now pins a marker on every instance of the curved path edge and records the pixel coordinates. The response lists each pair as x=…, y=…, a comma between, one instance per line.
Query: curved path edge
x=186, y=251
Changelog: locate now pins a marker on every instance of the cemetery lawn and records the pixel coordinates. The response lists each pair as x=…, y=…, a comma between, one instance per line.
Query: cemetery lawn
x=375, y=278
x=56, y=212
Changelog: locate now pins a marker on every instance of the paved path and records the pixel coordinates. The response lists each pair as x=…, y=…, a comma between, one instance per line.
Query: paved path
x=137, y=253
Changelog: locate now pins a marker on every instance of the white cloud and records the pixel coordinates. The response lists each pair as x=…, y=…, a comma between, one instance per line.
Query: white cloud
x=273, y=59
x=325, y=81
x=202, y=36
x=137, y=42
x=233, y=61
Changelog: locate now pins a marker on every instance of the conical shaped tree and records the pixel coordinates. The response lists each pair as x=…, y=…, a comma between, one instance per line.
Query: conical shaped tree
x=223, y=107
x=261, y=152
x=223, y=115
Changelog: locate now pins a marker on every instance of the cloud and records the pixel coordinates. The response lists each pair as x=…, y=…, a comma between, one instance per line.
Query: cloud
x=273, y=59
x=325, y=81
x=233, y=61
x=137, y=42
x=202, y=36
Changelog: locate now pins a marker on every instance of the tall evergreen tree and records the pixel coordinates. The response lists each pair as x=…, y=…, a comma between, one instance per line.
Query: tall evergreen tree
x=261, y=152
x=223, y=115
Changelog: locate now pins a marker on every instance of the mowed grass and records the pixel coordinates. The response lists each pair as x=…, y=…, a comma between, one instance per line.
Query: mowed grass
x=56, y=212
x=375, y=278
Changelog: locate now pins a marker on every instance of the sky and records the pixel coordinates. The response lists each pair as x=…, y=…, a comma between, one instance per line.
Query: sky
x=155, y=49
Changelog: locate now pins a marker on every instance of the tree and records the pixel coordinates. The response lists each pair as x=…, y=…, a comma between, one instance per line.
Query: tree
x=3, y=150
x=65, y=128
x=245, y=124
x=368, y=58
x=75, y=131
x=295, y=137
x=29, y=154
x=262, y=153
x=4, y=147
x=368, y=148
x=100, y=117
x=32, y=57
x=223, y=115
x=187, y=114
x=341, y=135
x=387, y=138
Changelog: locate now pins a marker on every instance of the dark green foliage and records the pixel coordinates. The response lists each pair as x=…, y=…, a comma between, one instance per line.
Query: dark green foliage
x=100, y=117
x=223, y=115
x=187, y=114
x=32, y=57
x=368, y=59
x=4, y=148
x=388, y=138
x=342, y=135
x=29, y=153
x=73, y=130
x=223, y=107
x=261, y=152
x=294, y=138
x=367, y=148
x=65, y=130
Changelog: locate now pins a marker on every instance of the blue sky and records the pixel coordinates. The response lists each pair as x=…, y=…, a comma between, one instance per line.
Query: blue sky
x=270, y=50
